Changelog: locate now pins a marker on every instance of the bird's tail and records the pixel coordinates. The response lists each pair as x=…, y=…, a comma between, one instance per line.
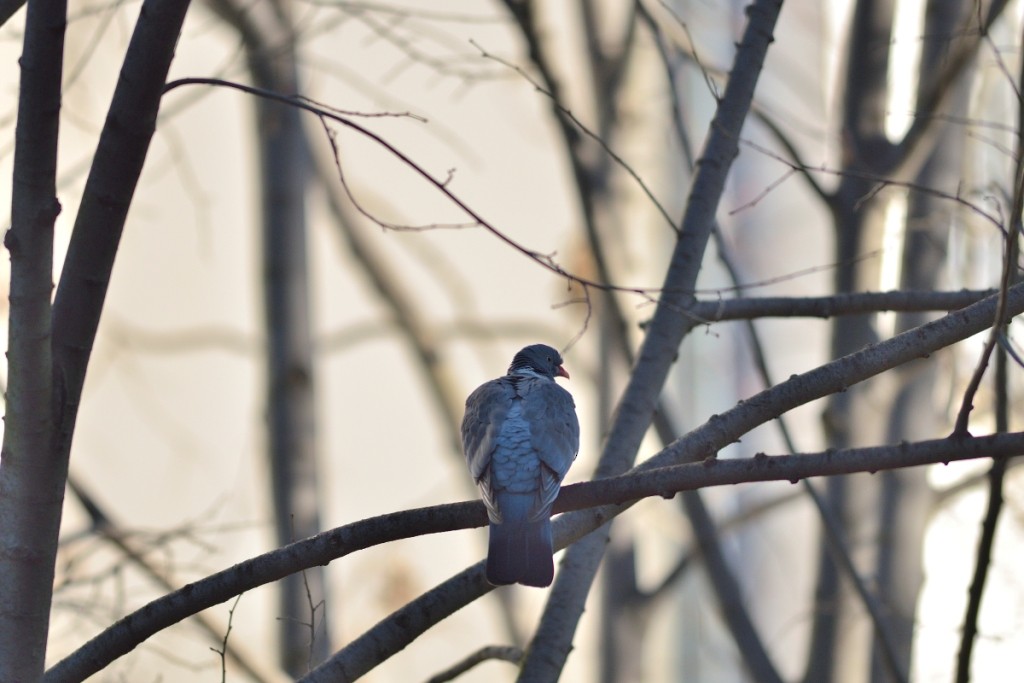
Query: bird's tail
x=520, y=552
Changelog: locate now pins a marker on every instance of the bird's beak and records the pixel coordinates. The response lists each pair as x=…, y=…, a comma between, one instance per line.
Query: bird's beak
x=561, y=372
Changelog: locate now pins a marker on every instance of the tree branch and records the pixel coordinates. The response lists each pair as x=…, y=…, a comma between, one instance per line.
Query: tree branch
x=405, y=310
x=126, y=634
x=618, y=492
x=997, y=474
x=8, y=8
x=745, y=308
x=31, y=473
x=391, y=635
x=505, y=653
x=546, y=261
x=396, y=632
x=553, y=640
x=116, y=167
x=986, y=542
x=110, y=530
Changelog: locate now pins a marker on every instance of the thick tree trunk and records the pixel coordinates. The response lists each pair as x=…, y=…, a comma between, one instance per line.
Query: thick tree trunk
x=35, y=458
x=32, y=475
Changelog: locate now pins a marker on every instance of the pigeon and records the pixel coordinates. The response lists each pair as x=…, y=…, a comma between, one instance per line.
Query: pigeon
x=520, y=434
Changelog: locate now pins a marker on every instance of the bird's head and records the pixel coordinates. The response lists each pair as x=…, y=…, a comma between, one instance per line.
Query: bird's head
x=540, y=359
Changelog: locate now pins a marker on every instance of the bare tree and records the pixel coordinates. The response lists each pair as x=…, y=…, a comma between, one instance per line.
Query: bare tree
x=610, y=79
x=35, y=489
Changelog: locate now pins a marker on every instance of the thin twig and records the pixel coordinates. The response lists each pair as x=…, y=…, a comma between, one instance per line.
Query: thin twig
x=108, y=528
x=881, y=182
x=313, y=608
x=986, y=542
x=622, y=163
x=399, y=300
x=756, y=110
x=504, y=653
x=1007, y=277
x=224, y=643
x=546, y=260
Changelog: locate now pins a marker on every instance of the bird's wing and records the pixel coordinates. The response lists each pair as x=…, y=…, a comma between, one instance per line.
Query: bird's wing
x=486, y=410
x=554, y=434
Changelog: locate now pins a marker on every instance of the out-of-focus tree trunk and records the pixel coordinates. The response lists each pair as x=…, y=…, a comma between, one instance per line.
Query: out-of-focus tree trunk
x=906, y=497
x=891, y=509
x=623, y=622
x=284, y=173
x=857, y=228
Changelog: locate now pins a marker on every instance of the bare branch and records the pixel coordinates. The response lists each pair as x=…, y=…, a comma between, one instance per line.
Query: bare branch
x=619, y=491
x=832, y=528
x=107, y=528
x=997, y=474
x=983, y=560
x=113, y=177
x=505, y=653
x=403, y=306
x=835, y=305
x=547, y=261
x=224, y=643
x=553, y=640
x=398, y=630
x=579, y=125
x=8, y=8
x=395, y=633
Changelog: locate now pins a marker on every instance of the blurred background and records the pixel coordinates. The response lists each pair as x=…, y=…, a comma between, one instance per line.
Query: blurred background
x=296, y=317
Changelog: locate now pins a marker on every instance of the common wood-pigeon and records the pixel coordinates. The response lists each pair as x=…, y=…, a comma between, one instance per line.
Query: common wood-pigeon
x=520, y=434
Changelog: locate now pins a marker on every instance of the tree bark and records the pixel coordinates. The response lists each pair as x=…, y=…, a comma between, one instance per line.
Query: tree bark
x=31, y=473
x=47, y=373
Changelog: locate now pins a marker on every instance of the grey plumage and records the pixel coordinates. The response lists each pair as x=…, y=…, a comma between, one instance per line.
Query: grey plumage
x=520, y=434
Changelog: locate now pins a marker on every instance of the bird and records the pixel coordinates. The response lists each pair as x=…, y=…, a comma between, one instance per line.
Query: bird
x=520, y=435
